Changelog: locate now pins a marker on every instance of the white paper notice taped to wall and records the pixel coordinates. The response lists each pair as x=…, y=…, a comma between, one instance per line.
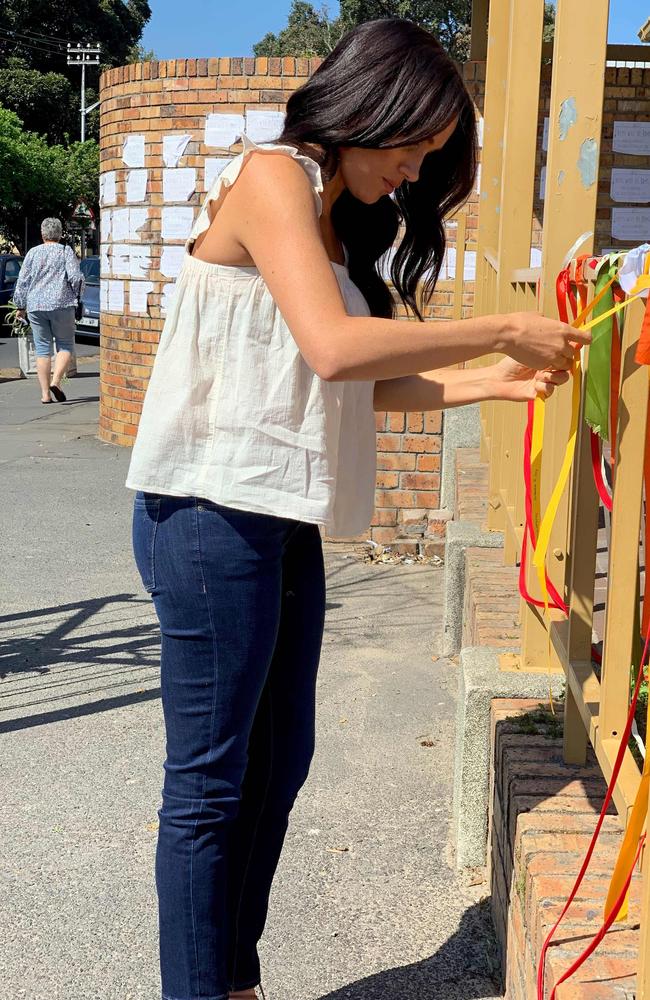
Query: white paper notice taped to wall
x=173, y=148
x=120, y=226
x=171, y=261
x=631, y=224
x=214, y=165
x=138, y=294
x=104, y=261
x=264, y=126
x=547, y=125
x=137, y=219
x=179, y=183
x=223, y=130
x=542, y=184
x=136, y=185
x=139, y=261
x=107, y=194
x=470, y=264
x=116, y=296
x=133, y=151
x=120, y=259
x=630, y=185
x=103, y=294
x=105, y=224
x=177, y=223
x=632, y=138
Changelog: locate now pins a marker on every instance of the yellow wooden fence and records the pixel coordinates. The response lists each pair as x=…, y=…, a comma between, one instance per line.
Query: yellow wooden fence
x=596, y=705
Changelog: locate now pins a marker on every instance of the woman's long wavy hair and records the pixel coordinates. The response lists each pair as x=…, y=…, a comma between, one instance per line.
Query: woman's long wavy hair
x=390, y=83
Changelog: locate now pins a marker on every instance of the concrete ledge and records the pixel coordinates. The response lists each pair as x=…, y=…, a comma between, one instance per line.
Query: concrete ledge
x=461, y=535
x=461, y=429
x=479, y=681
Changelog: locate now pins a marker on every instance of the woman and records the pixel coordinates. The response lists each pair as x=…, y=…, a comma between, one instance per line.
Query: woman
x=48, y=286
x=258, y=427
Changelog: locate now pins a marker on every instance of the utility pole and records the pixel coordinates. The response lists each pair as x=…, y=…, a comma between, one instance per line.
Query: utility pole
x=83, y=55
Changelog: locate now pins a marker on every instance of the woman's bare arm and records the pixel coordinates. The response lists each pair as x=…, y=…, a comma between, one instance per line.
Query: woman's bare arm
x=273, y=217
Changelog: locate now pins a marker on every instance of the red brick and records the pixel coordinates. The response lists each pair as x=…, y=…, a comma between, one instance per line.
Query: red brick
x=388, y=442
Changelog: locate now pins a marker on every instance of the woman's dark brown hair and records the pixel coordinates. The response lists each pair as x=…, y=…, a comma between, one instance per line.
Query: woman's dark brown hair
x=390, y=83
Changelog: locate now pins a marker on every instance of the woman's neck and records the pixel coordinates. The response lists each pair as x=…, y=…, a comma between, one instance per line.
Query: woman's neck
x=331, y=191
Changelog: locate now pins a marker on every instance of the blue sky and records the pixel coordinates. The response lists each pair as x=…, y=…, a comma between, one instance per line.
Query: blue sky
x=194, y=28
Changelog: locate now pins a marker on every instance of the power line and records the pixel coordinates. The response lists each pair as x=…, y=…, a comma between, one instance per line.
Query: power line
x=8, y=37
x=27, y=33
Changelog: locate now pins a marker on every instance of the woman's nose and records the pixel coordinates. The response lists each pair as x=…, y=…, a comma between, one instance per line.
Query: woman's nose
x=411, y=169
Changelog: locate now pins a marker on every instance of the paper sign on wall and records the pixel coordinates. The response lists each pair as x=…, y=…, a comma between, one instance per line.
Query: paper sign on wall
x=116, y=296
x=469, y=267
x=137, y=219
x=139, y=261
x=138, y=295
x=177, y=223
x=120, y=224
x=264, y=126
x=171, y=261
x=631, y=224
x=103, y=295
x=107, y=194
x=480, y=126
x=547, y=125
x=631, y=137
x=223, y=130
x=535, y=257
x=133, y=151
x=105, y=224
x=214, y=166
x=136, y=185
x=179, y=183
x=630, y=185
x=104, y=261
x=542, y=184
x=168, y=296
x=120, y=259
x=173, y=148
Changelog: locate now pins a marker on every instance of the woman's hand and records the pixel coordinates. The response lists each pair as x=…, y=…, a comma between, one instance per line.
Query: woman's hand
x=541, y=343
x=21, y=314
x=516, y=382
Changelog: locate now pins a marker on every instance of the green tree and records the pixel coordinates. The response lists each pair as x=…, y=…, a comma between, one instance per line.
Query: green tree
x=38, y=179
x=310, y=31
x=45, y=100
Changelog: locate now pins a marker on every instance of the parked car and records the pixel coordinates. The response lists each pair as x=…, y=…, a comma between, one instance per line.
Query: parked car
x=88, y=325
x=10, y=264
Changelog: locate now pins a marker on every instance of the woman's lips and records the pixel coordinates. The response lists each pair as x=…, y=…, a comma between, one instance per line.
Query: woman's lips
x=389, y=187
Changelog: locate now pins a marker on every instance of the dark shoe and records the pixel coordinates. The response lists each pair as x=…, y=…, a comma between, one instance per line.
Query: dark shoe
x=58, y=394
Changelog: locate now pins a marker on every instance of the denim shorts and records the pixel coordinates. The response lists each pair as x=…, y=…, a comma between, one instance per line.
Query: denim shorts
x=52, y=324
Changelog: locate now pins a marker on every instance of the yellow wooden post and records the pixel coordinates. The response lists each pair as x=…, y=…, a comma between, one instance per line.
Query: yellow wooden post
x=514, y=212
x=569, y=211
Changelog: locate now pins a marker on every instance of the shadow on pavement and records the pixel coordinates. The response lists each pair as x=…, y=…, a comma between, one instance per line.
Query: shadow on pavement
x=462, y=969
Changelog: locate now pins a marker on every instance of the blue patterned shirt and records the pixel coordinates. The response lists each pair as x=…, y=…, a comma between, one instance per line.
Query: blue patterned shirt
x=42, y=282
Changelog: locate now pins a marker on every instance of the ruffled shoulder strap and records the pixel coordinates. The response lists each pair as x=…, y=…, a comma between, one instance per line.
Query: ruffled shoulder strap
x=229, y=175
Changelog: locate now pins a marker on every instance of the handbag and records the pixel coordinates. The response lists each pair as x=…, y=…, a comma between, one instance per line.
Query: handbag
x=78, y=306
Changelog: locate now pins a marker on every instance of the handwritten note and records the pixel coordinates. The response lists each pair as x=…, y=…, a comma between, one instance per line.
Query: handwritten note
x=116, y=296
x=120, y=227
x=173, y=148
x=107, y=193
x=630, y=185
x=137, y=219
x=223, y=130
x=177, y=223
x=136, y=185
x=631, y=224
x=133, y=151
x=264, y=126
x=171, y=260
x=105, y=224
x=179, y=183
x=631, y=137
x=214, y=166
x=138, y=296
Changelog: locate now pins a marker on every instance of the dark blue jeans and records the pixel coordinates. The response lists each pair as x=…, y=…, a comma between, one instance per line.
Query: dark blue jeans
x=240, y=598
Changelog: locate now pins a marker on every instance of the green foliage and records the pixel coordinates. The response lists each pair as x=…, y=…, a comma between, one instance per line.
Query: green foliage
x=310, y=32
x=45, y=100
x=37, y=179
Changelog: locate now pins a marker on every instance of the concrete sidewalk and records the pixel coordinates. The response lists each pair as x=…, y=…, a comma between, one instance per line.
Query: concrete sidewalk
x=367, y=905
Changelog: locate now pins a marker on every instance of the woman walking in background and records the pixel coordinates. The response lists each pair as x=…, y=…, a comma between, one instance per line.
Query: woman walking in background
x=258, y=428
x=48, y=287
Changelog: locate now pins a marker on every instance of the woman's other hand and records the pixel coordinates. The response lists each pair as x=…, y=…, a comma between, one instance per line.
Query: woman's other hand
x=541, y=343
x=21, y=314
x=518, y=383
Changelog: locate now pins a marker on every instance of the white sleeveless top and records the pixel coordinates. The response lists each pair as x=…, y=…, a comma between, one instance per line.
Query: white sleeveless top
x=233, y=412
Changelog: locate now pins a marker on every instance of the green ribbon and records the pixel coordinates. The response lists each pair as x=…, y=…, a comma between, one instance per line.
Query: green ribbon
x=600, y=351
